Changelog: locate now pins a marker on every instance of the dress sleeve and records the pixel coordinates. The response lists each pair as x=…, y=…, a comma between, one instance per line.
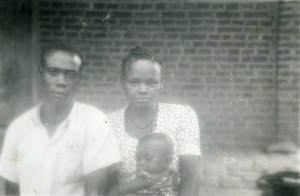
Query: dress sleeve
x=101, y=148
x=9, y=158
x=188, y=135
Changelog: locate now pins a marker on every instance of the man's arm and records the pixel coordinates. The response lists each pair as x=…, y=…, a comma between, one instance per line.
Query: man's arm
x=100, y=181
x=11, y=188
x=139, y=183
x=189, y=175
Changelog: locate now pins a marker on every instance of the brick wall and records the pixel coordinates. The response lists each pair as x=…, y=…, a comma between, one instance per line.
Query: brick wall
x=288, y=71
x=15, y=59
x=220, y=58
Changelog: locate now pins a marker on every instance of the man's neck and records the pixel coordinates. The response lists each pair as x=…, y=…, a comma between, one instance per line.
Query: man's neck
x=53, y=115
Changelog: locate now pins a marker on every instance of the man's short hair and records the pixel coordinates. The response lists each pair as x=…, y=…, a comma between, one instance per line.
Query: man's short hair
x=60, y=47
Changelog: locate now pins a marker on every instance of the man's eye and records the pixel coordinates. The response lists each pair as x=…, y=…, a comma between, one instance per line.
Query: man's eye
x=72, y=74
x=52, y=72
x=134, y=83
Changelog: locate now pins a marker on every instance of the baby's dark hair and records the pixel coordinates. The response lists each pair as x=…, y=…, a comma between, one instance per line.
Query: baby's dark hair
x=163, y=138
x=136, y=54
x=59, y=47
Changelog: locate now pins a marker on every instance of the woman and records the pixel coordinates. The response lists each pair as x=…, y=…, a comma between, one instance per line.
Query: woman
x=142, y=81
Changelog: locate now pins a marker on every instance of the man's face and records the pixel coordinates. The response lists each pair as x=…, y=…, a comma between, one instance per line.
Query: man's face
x=60, y=77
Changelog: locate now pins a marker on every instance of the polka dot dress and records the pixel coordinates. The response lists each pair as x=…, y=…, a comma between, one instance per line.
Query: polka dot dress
x=179, y=122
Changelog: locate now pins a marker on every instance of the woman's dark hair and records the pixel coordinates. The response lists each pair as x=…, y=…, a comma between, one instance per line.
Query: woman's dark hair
x=59, y=47
x=136, y=54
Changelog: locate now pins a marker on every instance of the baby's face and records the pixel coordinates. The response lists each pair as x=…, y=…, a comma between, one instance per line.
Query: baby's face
x=151, y=158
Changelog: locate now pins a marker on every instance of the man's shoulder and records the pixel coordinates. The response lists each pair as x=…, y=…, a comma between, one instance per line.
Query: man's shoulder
x=89, y=111
x=26, y=117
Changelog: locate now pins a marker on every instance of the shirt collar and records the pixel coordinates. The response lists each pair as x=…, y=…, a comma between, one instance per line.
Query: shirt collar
x=67, y=122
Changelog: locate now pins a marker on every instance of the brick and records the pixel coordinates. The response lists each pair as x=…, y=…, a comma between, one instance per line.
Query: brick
x=95, y=14
x=233, y=44
x=71, y=5
x=161, y=6
x=98, y=5
x=146, y=6
x=203, y=6
x=122, y=14
x=133, y=6
x=174, y=15
x=74, y=27
x=146, y=15
x=193, y=36
x=70, y=13
x=168, y=22
x=47, y=12
x=50, y=27
x=228, y=15
x=72, y=35
x=200, y=14
x=112, y=6
x=257, y=14
x=232, y=6
x=57, y=5
x=175, y=29
x=229, y=29
x=44, y=4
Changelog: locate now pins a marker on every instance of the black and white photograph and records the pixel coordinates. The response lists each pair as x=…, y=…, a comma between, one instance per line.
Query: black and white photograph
x=150, y=98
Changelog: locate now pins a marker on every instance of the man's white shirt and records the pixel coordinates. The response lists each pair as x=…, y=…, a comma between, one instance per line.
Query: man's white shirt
x=83, y=143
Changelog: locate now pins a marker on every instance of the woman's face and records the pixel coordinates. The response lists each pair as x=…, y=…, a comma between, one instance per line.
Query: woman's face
x=142, y=83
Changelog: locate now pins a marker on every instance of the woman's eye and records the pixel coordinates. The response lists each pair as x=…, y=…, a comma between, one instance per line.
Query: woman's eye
x=133, y=83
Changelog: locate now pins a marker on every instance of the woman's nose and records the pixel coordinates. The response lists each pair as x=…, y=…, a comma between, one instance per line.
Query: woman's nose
x=143, y=88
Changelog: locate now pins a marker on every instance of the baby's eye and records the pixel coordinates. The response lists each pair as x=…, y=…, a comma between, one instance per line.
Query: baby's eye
x=149, y=158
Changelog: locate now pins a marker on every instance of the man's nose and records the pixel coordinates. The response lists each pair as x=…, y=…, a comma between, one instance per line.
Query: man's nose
x=61, y=80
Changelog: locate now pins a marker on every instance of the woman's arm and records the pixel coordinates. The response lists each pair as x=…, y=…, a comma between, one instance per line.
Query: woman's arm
x=189, y=175
x=139, y=183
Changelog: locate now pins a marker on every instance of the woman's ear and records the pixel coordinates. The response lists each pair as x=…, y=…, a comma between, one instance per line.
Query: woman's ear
x=121, y=83
x=162, y=81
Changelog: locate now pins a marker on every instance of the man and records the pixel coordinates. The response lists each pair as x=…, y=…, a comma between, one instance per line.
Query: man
x=60, y=147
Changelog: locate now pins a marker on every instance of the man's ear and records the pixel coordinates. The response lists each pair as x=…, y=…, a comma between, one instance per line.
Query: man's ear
x=41, y=70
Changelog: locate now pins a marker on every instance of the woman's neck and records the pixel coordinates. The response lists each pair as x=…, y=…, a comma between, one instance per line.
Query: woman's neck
x=138, y=112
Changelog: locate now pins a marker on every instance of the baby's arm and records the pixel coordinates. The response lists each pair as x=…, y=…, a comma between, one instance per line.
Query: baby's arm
x=139, y=183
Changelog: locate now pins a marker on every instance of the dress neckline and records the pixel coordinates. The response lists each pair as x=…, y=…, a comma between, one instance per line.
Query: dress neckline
x=130, y=134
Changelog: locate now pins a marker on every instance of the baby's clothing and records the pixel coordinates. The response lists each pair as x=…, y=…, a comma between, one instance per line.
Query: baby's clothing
x=167, y=186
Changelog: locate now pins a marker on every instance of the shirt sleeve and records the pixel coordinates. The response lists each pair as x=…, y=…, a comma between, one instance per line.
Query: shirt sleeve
x=101, y=147
x=9, y=158
x=188, y=134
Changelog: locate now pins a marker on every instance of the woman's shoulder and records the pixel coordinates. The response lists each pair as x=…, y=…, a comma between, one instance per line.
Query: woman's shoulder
x=175, y=108
x=116, y=114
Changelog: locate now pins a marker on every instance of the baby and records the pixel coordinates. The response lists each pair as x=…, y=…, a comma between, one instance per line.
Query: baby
x=154, y=177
